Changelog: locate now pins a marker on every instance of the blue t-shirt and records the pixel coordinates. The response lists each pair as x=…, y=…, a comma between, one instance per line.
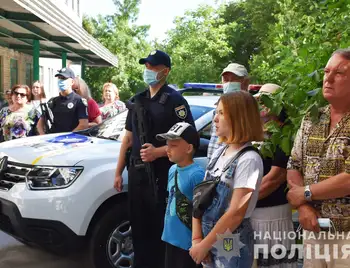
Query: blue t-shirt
x=175, y=232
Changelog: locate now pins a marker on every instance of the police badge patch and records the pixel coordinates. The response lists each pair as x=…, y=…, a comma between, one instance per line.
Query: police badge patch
x=84, y=101
x=181, y=112
x=70, y=105
x=228, y=244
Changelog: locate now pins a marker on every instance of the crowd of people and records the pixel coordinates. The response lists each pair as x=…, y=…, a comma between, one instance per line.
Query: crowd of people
x=22, y=113
x=177, y=219
x=240, y=193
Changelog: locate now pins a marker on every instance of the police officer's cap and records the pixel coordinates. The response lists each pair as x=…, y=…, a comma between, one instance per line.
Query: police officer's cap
x=66, y=73
x=157, y=57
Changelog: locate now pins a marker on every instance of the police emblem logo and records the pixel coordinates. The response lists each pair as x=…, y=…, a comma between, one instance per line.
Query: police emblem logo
x=84, y=101
x=181, y=112
x=63, y=69
x=228, y=244
x=70, y=105
x=153, y=52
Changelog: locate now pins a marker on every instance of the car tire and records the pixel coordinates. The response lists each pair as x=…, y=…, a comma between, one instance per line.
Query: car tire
x=110, y=245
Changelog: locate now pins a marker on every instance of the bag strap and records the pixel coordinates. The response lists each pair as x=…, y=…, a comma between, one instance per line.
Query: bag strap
x=238, y=154
x=177, y=187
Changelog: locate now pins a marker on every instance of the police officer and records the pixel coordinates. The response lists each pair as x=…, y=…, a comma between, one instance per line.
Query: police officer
x=69, y=109
x=164, y=107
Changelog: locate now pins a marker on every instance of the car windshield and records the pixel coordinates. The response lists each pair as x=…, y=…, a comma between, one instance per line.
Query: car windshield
x=114, y=128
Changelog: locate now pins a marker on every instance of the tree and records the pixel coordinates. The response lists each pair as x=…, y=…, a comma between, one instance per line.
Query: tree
x=293, y=55
x=124, y=39
x=196, y=46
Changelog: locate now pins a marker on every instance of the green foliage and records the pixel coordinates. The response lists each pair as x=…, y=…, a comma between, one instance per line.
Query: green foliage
x=293, y=55
x=196, y=45
x=124, y=39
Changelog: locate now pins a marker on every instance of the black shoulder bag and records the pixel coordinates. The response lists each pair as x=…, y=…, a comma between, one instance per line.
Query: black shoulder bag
x=204, y=192
x=183, y=206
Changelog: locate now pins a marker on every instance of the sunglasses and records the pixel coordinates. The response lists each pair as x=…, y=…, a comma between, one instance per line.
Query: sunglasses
x=21, y=94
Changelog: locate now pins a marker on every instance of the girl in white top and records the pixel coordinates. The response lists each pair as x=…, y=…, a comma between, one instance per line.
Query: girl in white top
x=237, y=122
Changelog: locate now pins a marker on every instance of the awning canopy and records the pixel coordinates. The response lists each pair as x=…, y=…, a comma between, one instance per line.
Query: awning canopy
x=23, y=21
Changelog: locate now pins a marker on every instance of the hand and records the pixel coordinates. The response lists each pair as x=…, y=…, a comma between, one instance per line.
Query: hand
x=295, y=195
x=118, y=183
x=148, y=153
x=308, y=218
x=199, y=252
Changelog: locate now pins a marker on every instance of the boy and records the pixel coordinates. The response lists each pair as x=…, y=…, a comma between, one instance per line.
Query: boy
x=182, y=142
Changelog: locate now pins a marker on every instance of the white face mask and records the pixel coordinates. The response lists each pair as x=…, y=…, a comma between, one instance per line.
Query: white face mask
x=231, y=87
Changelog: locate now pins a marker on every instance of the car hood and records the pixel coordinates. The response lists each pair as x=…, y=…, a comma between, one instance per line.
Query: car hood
x=66, y=149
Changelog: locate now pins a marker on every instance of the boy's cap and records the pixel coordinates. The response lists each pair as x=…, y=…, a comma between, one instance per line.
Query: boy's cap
x=181, y=130
x=66, y=73
x=157, y=57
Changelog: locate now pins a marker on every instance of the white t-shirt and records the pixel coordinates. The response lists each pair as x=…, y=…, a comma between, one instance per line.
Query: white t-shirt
x=248, y=174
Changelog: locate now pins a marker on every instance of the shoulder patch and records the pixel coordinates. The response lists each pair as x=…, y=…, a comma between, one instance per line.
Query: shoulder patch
x=84, y=101
x=181, y=111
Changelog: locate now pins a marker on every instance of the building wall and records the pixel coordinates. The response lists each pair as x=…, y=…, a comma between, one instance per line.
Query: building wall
x=72, y=8
x=5, y=74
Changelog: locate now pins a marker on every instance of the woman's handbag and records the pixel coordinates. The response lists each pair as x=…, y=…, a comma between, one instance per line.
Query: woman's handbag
x=204, y=192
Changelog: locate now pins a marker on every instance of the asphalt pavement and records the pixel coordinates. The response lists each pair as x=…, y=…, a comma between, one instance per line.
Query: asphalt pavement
x=13, y=254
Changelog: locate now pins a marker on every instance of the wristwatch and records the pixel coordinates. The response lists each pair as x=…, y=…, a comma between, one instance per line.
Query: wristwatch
x=307, y=193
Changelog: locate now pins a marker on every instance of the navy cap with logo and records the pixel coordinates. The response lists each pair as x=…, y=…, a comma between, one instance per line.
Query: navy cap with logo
x=66, y=73
x=181, y=130
x=157, y=57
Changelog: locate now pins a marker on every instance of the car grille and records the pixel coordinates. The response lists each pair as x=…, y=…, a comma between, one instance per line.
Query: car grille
x=12, y=173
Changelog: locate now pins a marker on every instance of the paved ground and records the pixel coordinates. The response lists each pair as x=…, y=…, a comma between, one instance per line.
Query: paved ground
x=16, y=255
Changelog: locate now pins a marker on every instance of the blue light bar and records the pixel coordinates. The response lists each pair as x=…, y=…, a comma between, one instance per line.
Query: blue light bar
x=203, y=85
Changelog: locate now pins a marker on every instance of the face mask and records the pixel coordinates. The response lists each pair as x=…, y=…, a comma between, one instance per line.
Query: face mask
x=231, y=87
x=150, y=77
x=62, y=84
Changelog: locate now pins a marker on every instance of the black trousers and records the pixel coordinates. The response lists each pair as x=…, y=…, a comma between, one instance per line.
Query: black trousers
x=147, y=218
x=178, y=258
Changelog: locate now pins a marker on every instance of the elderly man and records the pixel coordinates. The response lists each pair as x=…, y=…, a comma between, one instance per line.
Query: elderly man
x=234, y=77
x=319, y=169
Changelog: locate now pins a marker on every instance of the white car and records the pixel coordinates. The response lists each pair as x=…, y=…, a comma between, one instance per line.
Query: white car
x=56, y=190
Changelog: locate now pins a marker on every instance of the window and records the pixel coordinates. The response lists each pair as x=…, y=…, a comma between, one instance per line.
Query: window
x=41, y=74
x=29, y=73
x=78, y=7
x=13, y=72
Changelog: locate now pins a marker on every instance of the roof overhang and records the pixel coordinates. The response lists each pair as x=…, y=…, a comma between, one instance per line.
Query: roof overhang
x=22, y=21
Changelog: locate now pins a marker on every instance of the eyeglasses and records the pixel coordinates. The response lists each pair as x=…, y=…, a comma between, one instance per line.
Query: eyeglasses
x=62, y=78
x=21, y=94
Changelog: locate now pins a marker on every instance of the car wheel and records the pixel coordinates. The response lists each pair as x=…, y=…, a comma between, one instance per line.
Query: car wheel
x=111, y=242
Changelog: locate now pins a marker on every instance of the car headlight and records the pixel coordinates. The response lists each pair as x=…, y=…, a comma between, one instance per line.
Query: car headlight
x=49, y=178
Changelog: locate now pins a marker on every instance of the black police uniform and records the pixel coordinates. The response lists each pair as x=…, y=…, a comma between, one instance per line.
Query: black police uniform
x=67, y=111
x=163, y=110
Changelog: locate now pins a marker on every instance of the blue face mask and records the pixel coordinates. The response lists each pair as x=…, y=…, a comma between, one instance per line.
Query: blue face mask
x=150, y=77
x=231, y=87
x=62, y=84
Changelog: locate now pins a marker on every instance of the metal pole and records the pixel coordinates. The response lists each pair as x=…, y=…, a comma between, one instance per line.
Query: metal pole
x=64, y=59
x=36, y=55
x=83, y=65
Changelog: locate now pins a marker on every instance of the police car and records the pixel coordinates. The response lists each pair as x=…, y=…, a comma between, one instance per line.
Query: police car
x=56, y=190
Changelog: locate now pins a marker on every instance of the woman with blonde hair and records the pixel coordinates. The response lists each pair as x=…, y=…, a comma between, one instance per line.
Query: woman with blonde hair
x=18, y=120
x=81, y=88
x=112, y=105
x=37, y=94
x=237, y=170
